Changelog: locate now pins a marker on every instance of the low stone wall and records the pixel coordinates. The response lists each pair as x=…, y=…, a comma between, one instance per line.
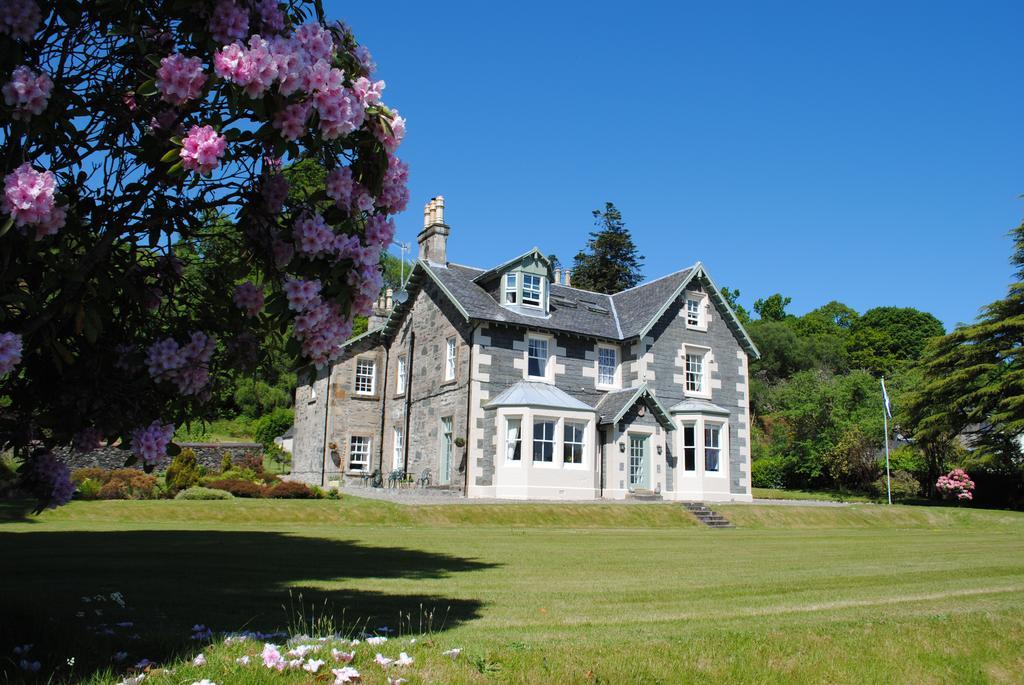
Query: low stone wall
x=208, y=454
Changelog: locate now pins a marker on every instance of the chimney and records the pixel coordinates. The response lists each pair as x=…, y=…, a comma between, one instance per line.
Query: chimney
x=433, y=239
x=568, y=277
x=558, y=275
x=382, y=310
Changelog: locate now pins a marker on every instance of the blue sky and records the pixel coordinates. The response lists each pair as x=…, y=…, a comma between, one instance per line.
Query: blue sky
x=867, y=152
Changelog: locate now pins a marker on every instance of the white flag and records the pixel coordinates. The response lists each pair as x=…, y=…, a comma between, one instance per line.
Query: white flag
x=885, y=399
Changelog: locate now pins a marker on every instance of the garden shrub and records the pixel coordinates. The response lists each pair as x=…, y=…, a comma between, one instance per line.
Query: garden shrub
x=768, y=472
x=198, y=493
x=89, y=489
x=183, y=471
x=253, y=462
x=271, y=425
x=93, y=473
x=225, y=462
x=290, y=490
x=238, y=488
x=114, y=489
x=903, y=483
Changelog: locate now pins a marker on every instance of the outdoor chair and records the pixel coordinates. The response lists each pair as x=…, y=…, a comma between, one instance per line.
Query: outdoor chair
x=395, y=478
x=424, y=479
x=373, y=478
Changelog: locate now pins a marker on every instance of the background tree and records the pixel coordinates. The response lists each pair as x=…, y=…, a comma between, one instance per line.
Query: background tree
x=773, y=307
x=133, y=130
x=611, y=262
x=887, y=338
x=732, y=296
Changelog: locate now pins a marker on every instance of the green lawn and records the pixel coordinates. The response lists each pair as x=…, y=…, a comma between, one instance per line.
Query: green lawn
x=832, y=495
x=532, y=593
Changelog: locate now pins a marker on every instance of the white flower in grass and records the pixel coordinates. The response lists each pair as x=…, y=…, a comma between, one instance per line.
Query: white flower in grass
x=396, y=681
x=204, y=681
x=313, y=665
x=404, y=659
x=345, y=675
x=244, y=660
x=302, y=650
x=338, y=655
x=383, y=660
x=294, y=663
x=200, y=660
x=376, y=640
x=353, y=643
x=134, y=680
x=453, y=653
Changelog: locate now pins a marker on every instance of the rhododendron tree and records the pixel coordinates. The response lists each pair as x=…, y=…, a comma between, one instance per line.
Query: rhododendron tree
x=956, y=485
x=129, y=132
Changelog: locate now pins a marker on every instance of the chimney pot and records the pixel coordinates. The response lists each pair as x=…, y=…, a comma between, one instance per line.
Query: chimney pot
x=558, y=275
x=568, y=277
x=433, y=239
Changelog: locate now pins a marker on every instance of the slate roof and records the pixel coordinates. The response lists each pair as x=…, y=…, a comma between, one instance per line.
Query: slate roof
x=613, y=406
x=625, y=315
x=534, y=394
x=694, y=405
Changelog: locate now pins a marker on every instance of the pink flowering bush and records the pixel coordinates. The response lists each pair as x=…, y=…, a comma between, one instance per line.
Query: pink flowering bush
x=27, y=92
x=132, y=135
x=956, y=485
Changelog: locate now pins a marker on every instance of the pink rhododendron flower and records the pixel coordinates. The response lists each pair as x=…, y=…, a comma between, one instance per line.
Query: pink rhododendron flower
x=271, y=16
x=382, y=660
x=274, y=190
x=340, y=112
x=283, y=253
x=149, y=443
x=187, y=367
x=19, y=19
x=369, y=92
x=272, y=657
x=180, y=79
x=301, y=294
x=393, y=138
x=340, y=186
x=229, y=22
x=291, y=121
x=313, y=665
x=312, y=235
x=249, y=298
x=346, y=674
x=363, y=56
x=315, y=41
x=956, y=485
x=403, y=659
x=10, y=352
x=344, y=657
x=202, y=149
x=28, y=197
x=200, y=660
x=50, y=480
x=394, y=196
x=380, y=230
x=28, y=92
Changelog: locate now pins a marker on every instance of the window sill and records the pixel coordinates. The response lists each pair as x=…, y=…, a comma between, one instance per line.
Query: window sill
x=613, y=387
x=697, y=395
x=359, y=396
x=702, y=329
x=450, y=381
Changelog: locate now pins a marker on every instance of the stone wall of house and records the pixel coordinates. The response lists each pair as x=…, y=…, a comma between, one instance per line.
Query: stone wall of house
x=660, y=362
x=207, y=454
x=422, y=341
x=310, y=408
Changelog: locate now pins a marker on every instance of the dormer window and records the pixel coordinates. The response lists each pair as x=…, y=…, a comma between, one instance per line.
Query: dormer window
x=696, y=311
x=533, y=290
x=511, y=288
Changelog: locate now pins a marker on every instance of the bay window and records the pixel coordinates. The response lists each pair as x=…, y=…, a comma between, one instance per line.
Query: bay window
x=544, y=440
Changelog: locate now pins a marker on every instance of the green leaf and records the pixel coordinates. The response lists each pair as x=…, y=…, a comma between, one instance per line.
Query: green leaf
x=153, y=59
x=173, y=449
x=176, y=140
x=171, y=155
x=176, y=170
x=130, y=461
x=148, y=88
x=7, y=226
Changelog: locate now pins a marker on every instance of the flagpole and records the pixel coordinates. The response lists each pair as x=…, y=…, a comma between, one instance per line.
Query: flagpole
x=885, y=422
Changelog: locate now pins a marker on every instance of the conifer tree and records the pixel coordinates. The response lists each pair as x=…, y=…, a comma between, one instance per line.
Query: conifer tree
x=611, y=262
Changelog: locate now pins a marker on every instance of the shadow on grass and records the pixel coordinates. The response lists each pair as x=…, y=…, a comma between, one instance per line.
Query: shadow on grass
x=227, y=580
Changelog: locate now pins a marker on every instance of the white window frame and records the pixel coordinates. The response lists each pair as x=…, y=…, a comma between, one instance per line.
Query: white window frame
x=512, y=445
x=692, y=426
x=534, y=442
x=705, y=371
x=582, y=443
x=718, y=428
x=546, y=375
x=450, y=358
x=616, y=380
x=701, y=300
x=510, y=288
x=401, y=375
x=700, y=422
x=539, y=304
x=364, y=441
x=397, y=447
x=360, y=379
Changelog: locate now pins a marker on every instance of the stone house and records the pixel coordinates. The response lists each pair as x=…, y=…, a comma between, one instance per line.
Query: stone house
x=508, y=382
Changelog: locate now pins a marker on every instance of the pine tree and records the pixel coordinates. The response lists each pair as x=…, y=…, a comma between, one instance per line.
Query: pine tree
x=975, y=375
x=611, y=262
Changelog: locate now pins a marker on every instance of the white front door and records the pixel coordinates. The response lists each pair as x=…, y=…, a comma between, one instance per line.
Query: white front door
x=639, y=468
x=444, y=476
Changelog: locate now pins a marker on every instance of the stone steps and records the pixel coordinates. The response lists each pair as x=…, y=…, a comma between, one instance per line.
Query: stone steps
x=706, y=516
